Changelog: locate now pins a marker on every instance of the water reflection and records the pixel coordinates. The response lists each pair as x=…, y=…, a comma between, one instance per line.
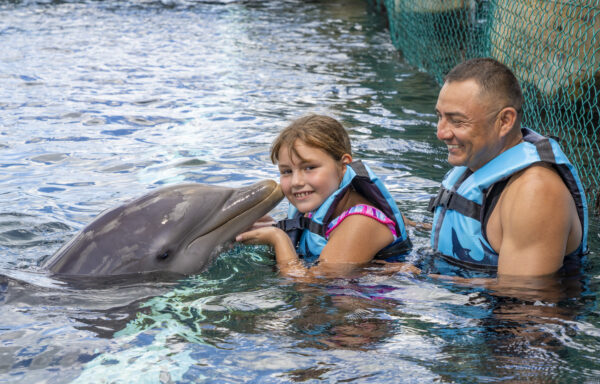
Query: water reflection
x=529, y=327
x=340, y=317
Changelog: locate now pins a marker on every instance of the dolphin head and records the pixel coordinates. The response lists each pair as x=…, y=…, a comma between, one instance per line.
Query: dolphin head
x=177, y=229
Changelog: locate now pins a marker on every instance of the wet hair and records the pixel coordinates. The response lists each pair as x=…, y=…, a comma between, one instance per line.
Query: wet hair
x=495, y=80
x=317, y=131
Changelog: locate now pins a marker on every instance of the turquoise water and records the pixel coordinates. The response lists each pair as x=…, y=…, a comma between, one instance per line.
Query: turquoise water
x=102, y=101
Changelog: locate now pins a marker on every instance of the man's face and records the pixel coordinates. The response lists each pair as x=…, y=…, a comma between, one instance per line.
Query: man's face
x=466, y=124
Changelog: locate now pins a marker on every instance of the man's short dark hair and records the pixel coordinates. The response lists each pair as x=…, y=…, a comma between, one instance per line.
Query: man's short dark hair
x=494, y=78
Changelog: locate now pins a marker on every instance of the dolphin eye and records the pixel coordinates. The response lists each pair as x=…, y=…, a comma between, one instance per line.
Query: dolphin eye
x=163, y=256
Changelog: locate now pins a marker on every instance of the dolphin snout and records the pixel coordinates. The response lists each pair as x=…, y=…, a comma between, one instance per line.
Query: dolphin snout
x=178, y=228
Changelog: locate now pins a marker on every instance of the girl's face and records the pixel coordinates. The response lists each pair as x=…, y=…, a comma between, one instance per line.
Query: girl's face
x=307, y=181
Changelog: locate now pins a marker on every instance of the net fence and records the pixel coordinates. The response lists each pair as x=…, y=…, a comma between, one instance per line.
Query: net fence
x=552, y=46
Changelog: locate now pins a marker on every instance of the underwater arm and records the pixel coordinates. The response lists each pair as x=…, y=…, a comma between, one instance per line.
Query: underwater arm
x=416, y=224
x=549, y=288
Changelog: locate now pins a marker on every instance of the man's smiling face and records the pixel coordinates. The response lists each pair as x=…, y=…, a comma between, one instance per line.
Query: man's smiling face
x=466, y=124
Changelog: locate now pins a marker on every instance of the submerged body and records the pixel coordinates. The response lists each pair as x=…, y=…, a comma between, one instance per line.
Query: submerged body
x=178, y=229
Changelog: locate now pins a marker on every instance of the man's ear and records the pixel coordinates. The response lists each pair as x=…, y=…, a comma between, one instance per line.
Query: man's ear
x=507, y=118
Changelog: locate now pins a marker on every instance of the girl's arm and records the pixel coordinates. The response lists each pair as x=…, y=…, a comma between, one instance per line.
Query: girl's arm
x=287, y=260
x=354, y=242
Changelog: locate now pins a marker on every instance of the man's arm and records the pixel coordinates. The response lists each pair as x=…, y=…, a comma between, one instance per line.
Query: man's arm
x=536, y=218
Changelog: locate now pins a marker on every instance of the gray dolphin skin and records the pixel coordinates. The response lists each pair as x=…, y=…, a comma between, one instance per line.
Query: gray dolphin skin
x=178, y=228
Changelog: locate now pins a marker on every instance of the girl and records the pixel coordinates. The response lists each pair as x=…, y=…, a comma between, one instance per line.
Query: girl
x=340, y=215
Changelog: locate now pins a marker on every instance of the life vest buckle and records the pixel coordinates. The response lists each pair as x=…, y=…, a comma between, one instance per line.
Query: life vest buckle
x=288, y=225
x=443, y=199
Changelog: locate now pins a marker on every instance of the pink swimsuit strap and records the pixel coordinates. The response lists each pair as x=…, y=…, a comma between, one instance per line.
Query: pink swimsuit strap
x=364, y=210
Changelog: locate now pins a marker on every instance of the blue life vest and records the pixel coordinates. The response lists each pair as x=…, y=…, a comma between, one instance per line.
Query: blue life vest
x=308, y=234
x=465, y=200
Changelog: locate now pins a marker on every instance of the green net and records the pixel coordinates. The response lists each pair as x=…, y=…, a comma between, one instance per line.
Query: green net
x=552, y=46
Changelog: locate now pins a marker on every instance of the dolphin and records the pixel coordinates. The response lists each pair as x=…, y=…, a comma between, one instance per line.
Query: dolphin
x=179, y=229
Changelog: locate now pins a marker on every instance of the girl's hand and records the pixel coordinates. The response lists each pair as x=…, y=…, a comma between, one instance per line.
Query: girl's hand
x=260, y=235
x=265, y=221
x=285, y=254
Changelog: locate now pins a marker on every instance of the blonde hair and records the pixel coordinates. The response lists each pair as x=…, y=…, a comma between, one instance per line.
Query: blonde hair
x=317, y=131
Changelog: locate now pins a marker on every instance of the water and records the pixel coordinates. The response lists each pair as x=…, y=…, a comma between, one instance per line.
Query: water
x=102, y=101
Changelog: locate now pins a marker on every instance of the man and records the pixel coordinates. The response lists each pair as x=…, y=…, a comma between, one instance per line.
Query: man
x=513, y=202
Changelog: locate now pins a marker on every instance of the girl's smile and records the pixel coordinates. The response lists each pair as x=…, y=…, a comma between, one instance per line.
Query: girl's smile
x=309, y=175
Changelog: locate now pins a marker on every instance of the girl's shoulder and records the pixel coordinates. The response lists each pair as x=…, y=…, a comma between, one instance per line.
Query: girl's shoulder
x=362, y=209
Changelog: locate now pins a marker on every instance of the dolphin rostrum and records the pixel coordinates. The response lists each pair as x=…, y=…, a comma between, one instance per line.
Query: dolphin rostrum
x=177, y=229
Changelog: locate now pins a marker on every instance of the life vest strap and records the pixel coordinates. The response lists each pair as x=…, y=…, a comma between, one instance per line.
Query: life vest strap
x=300, y=222
x=452, y=200
x=360, y=169
x=394, y=249
x=544, y=149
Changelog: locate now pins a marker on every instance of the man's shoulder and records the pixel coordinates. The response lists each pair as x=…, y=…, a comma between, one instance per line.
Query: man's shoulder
x=536, y=175
x=535, y=184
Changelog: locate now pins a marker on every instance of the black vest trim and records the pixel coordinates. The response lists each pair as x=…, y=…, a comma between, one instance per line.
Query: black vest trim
x=463, y=263
x=544, y=149
x=359, y=169
x=490, y=200
x=452, y=200
x=394, y=249
x=300, y=222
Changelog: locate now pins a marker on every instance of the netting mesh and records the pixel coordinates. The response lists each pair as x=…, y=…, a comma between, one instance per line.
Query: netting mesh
x=552, y=46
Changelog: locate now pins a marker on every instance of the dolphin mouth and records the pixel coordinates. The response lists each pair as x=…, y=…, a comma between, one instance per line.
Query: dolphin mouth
x=206, y=246
x=243, y=215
